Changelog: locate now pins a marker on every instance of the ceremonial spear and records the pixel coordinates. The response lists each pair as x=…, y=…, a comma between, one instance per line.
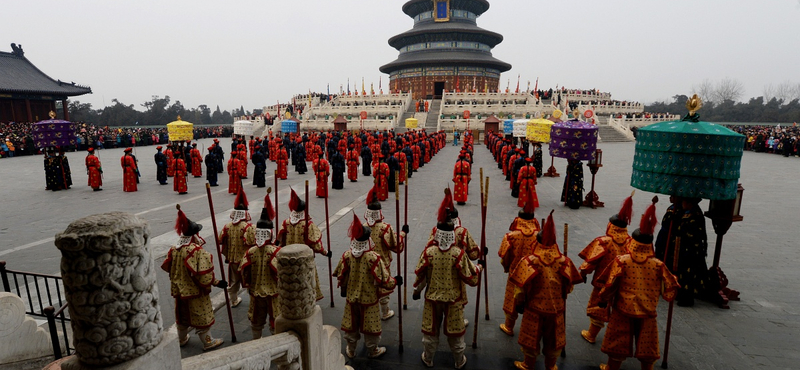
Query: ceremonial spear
x=402, y=245
x=664, y=363
x=405, y=253
x=219, y=258
x=327, y=235
x=483, y=246
x=478, y=299
x=566, y=247
x=276, y=200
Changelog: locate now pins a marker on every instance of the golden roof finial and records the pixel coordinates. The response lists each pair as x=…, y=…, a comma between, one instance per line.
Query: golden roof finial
x=694, y=104
x=179, y=117
x=52, y=115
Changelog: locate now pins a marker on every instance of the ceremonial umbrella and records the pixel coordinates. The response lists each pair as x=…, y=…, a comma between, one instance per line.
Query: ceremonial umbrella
x=180, y=130
x=54, y=133
x=575, y=140
x=688, y=158
x=539, y=130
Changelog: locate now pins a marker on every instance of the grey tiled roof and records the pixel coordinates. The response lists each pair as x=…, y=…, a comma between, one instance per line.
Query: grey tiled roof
x=18, y=75
x=469, y=58
x=431, y=28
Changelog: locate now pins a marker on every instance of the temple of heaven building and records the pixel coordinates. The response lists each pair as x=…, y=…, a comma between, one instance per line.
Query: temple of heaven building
x=446, y=50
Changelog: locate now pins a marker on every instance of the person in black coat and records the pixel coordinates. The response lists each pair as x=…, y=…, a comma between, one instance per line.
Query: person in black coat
x=299, y=159
x=219, y=156
x=161, y=166
x=394, y=165
x=260, y=170
x=211, y=161
x=338, y=167
x=366, y=160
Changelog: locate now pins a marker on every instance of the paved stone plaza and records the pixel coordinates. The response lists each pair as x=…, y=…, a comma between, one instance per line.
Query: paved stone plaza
x=757, y=332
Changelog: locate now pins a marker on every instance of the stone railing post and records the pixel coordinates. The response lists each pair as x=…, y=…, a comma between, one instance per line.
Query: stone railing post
x=110, y=283
x=299, y=312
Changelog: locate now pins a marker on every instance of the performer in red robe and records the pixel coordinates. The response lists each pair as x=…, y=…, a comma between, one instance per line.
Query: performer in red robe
x=179, y=183
x=233, y=174
x=170, y=161
x=417, y=155
x=322, y=169
x=197, y=161
x=381, y=174
x=282, y=159
x=353, y=161
x=402, y=162
x=95, y=171
x=461, y=178
x=128, y=171
x=242, y=161
x=527, y=179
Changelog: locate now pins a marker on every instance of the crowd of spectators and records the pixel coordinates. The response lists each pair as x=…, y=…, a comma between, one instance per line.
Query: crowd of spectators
x=771, y=139
x=17, y=139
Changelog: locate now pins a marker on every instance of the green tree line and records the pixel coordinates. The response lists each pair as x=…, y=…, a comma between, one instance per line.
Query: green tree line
x=158, y=111
x=757, y=110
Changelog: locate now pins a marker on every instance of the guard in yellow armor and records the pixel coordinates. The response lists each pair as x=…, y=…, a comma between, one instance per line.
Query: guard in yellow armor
x=364, y=278
x=442, y=271
x=191, y=275
x=259, y=270
x=464, y=240
x=519, y=243
x=236, y=238
x=634, y=282
x=543, y=280
x=597, y=256
x=294, y=230
x=384, y=241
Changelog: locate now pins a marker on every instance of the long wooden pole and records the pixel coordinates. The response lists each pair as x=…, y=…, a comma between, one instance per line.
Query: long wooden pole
x=483, y=245
x=276, y=201
x=480, y=253
x=328, y=238
x=405, y=252
x=402, y=245
x=664, y=362
x=566, y=249
x=219, y=259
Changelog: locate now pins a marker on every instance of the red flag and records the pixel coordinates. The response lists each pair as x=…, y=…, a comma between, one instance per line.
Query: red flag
x=517, y=91
x=536, y=88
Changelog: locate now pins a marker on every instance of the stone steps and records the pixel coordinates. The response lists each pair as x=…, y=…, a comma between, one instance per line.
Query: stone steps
x=609, y=134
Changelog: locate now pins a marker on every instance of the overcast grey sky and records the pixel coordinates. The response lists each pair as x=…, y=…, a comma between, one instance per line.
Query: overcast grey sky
x=256, y=52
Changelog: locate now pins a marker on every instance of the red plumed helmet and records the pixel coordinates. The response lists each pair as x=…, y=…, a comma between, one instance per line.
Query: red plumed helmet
x=294, y=201
x=530, y=207
x=356, y=230
x=626, y=212
x=449, y=196
x=649, y=219
x=443, y=215
x=268, y=206
x=240, y=203
x=549, y=231
x=372, y=195
x=181, y=223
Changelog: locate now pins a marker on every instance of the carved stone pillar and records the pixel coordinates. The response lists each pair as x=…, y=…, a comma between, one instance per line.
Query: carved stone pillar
x=110, y=284
x=299, y=312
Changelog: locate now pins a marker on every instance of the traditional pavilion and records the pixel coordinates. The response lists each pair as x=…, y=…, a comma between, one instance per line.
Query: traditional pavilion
x=446, y=50
x=26, y=93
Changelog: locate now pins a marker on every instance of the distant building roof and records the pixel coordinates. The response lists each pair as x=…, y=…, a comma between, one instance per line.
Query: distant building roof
x=19, y=76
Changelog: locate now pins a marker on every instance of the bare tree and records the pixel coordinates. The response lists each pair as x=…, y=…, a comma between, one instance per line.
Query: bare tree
x=785, y=91
x=705, y=90
x=728, y=89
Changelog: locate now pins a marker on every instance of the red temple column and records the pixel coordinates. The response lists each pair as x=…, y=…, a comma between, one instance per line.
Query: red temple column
x=28, y=107
x=66, y=109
